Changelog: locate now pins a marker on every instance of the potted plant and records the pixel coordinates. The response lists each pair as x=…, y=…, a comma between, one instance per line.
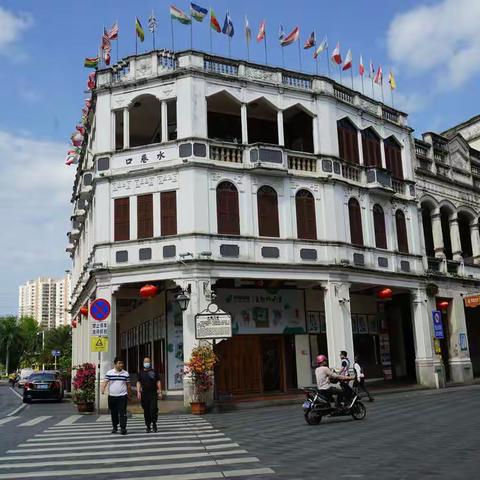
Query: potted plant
x=84, y=387
x=200, y=369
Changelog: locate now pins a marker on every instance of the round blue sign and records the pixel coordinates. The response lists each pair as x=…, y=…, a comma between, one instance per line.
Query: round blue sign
x=100, y=309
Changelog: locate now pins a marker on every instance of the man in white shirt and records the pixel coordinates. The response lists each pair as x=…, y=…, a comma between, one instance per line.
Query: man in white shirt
x=359, y=382
x=118, y=382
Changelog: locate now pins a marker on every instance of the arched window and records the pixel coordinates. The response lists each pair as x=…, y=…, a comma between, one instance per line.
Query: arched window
x=267, y=205
x=355, y=217
x=228, y=218
x=145, y=121
x=306, y=221
x=371, y=148
x=347, y=141
x=379, y=227
x=402, y=239
x=393, y=157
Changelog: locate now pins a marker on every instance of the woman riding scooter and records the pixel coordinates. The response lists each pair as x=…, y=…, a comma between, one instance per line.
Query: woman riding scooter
x=324, y=375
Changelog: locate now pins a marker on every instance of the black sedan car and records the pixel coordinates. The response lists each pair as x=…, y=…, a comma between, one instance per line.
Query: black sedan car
x=43, y=386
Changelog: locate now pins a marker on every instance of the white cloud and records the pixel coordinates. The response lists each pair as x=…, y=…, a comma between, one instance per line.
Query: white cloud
x=35, y=191
x=441, y=38
x=11, y=28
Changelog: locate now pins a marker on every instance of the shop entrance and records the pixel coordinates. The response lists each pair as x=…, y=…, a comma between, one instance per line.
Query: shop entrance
x=255, y=365
x=472, y=318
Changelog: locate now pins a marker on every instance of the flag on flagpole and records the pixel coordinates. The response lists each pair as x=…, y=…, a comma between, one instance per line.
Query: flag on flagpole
x=113, y=32
x=228, y=26
x=139, y=30
x=291, y=37
x=197, y=12
x=92, y=78
x=106, y=47
x=261, y=31
x=391, y=81
x=281, y=33
x=371, y=72
x=177, y=14
x=214, y=22
x=379, y=76
x=322, y=47
x=311, y=41
x=336, y=56
x=248, y=30
x=347, y=64
x=91, y=62
x=361, y=67
x=152, y=23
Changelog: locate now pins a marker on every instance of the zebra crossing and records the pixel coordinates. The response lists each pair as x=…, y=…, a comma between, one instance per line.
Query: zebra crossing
x=184, y=448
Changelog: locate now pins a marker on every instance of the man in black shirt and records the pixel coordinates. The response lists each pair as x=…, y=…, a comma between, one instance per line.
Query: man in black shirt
x=149, y=389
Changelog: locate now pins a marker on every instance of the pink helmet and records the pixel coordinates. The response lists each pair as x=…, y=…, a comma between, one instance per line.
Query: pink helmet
x=321, y=359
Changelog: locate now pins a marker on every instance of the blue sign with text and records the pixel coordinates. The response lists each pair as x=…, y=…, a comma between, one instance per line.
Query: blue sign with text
x=437, y=324
x=56, y=353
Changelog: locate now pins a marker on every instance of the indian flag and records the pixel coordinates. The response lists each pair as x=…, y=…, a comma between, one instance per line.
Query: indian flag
x=91, y=62
x=177, y=14
x=139, y=30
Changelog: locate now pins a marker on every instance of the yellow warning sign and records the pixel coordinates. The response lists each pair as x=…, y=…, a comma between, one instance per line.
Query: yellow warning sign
x=99, y=344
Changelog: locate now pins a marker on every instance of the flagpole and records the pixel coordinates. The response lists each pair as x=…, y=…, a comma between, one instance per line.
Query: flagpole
x=265, y=45
x=173, y=38
x=299, y=53
x=363, y=89
x=136, y=38
x=351, y=75
x=381, y=85
x=283, y=56
x=229, y=47
x=248, y=47
x=391, y=92
x=340, y=72
x=191, y=34
x=316, y=65
x=328, y=62
x=373, y=91
x=118, y=34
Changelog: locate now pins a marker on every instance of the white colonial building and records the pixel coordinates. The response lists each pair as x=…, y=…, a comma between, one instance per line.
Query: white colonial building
x=289, y=196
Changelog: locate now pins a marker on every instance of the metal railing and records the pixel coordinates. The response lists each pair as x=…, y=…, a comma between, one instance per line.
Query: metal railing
x=224, y=153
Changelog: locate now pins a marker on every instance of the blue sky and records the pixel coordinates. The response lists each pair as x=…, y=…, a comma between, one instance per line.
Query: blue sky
x=431, y=45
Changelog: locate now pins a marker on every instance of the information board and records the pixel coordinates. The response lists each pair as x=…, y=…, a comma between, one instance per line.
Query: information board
x=213, y=325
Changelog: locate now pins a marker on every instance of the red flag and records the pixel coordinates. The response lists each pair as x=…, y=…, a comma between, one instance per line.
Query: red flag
x=379, y=76
x=113, y=32
x=311, y=41
x=261, y=31
x=361, y=67
x=348, y=61
x=291, y=37
x=91, y=81
x=336, y=56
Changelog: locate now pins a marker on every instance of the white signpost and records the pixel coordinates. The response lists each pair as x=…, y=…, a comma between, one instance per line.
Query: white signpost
x=213, y=323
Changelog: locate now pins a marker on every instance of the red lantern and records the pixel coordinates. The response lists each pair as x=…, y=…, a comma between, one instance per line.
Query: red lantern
x=84, y=310
x=74, y=323
x=148, y=291
x=385, y=294
x=443, y=305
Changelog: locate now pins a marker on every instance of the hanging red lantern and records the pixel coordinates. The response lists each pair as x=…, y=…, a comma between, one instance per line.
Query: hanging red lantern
x=84, y=310
x=385, y=294
x=148, y=291
x=443, y=305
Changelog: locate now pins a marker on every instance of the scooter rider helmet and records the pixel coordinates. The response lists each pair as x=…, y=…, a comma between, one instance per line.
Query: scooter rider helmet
x=321, y=359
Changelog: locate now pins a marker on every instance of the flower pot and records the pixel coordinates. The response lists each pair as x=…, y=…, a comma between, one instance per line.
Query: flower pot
x=198, y=408
x=85, y=407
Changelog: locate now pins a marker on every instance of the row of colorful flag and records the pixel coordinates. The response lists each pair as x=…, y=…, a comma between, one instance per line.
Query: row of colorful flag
x=199, y=13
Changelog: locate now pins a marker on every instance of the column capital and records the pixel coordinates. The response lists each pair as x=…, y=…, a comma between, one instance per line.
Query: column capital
x=419, y=295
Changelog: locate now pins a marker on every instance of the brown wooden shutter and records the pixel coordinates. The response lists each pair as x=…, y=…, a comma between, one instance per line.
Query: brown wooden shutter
x=393, y=158
x=371, y=148
x=355, y=217
x=306, y=221
x=228, y=217
x=145, y=216
x=401, y=231
x=168, y=209
x=267, y=205
x=347, y=141
x=379, y=227
x=121, y=219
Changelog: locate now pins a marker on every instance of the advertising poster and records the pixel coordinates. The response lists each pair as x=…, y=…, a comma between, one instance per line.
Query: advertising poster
x=174, y=345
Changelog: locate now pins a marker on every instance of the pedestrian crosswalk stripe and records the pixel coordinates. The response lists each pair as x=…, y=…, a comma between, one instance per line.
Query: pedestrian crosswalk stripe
x=69, y=420
x=247, y=472
x=5, y=420
x=96, y=427
x=94, y=446
x=47, y=442
x=125, y=469
x=210, y=475
x=120, y=452
x=116, y=461
x=65, y=435
x=35, y=421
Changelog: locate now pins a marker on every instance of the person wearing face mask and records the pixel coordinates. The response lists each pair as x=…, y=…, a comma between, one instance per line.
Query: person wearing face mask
x=149, y=389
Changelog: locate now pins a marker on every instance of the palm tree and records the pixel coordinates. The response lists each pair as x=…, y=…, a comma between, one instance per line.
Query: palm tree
x=8, y=334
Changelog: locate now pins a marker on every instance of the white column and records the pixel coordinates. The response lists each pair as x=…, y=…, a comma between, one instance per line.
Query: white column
x=426, y=361
x=475, y=237
x=281, y=138
x=460, y=364
x=164, y=117
x=360, y=148
x=113, y=132
x=382, y=153
x=316, y=141
x=437, y=234
x=455, y=239
x=156, y=215
x=338, y=321
x=126, y=128
x=244, y=119
x=133, y=217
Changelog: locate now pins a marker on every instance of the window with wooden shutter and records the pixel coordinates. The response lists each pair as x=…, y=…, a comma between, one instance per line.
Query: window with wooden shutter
x=347, y=141
x=168, y=213
x=402, y=239
x=121, y=219
x=145, y=216
x=228, y=217
x=379, y=227
x=306, y=221
x=371, y=148
x=393, y=157
x=355, y=217
x=267, y=205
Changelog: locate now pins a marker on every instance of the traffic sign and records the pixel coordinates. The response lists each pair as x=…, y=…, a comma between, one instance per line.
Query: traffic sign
x=100, y=309
x=437, y=324
x=99, y=344
x=56, y=353
x=99, y=329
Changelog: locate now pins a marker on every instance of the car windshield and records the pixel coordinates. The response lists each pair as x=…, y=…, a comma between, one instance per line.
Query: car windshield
x=43, y=377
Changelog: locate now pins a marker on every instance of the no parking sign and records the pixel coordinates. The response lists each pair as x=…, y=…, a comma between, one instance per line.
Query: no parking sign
x=100, y=309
